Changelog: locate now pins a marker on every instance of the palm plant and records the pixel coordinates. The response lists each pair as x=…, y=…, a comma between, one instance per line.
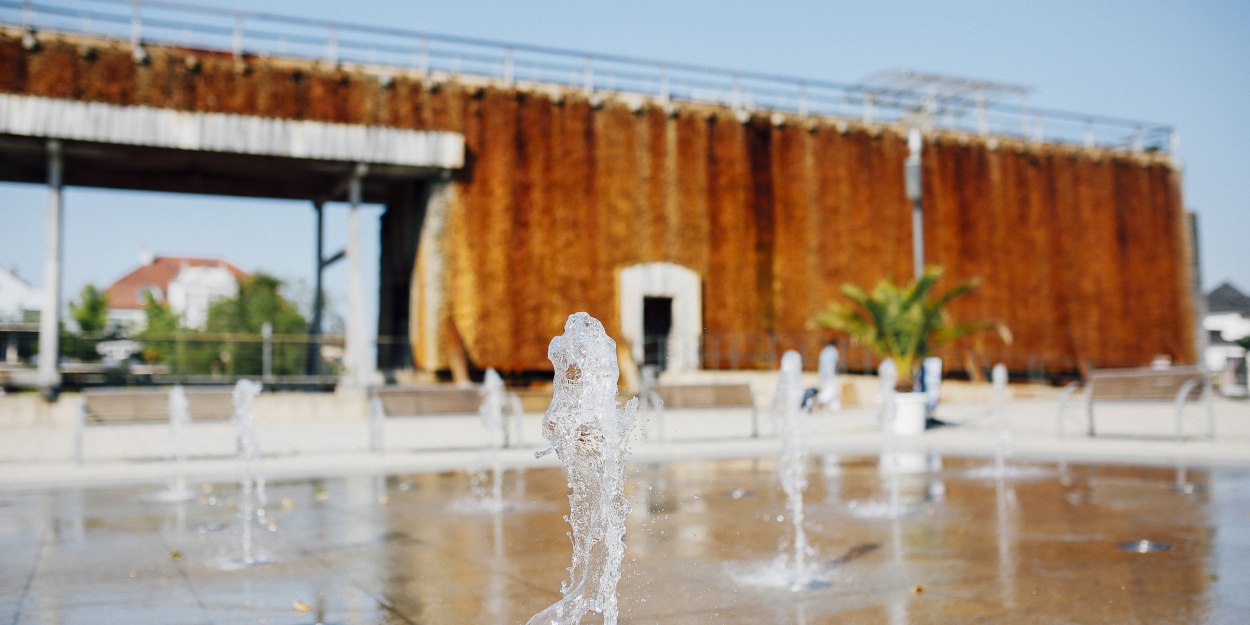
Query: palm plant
x=903, y=323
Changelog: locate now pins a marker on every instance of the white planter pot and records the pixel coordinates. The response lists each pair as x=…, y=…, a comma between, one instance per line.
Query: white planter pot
x=908, y=413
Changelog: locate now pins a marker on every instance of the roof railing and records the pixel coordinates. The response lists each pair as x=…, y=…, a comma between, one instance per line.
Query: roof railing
x=388, y=49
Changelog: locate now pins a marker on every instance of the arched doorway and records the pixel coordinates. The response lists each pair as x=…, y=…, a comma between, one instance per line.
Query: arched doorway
x=662, y=314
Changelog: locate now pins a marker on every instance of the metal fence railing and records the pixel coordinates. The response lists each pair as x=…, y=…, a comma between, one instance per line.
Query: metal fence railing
x=203, y=358
x=196, y=357
x=386, y=49
x=303, y=361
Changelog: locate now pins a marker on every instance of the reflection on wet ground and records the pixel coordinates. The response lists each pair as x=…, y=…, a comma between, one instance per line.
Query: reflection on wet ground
x=1059, y=544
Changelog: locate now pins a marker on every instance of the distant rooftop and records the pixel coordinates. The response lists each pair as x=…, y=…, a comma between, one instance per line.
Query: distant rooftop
x=127, y=292
x=1226, y=298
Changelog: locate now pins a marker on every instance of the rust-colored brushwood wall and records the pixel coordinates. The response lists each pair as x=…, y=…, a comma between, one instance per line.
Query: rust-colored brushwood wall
x=1081, y=252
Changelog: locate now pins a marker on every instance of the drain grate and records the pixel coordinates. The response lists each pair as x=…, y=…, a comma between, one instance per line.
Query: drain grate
x=1144, y=546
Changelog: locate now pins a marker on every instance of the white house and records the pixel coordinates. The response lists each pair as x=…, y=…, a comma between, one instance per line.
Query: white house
x=20, y=304
x=19, y=301
x=188, y=284
x=1227, y=321
x=194, y=289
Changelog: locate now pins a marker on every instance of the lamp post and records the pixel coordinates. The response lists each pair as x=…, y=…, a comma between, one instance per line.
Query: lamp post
x=911, y=180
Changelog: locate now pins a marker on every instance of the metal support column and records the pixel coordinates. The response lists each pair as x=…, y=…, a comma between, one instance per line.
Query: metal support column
x=911, y=175
x=359, y=369
x=48, y=377
x=312, y=360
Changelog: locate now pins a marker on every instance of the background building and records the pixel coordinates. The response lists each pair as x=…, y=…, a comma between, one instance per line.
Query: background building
x=1227, y=322
x=189, y=285
x=723, y=226
x=20, y=304
x=19, y=301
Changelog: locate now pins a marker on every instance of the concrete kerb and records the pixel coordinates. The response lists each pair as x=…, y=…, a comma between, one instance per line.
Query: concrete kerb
x=852, y=431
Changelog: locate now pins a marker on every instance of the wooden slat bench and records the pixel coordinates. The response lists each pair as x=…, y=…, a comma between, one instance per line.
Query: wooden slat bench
x=118, y=406
x=1174, y=384
x=418, y=401
x=708, y=396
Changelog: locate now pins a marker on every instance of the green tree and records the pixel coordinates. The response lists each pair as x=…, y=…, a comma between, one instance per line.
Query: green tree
x=259, y=301
x=903, y=323
x=230, y=342
x=90, y=310
x=160, y=327
x=90, y=313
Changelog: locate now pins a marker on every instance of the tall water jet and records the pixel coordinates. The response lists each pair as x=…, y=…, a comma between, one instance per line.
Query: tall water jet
x=887, y=377
x=788, y=421
x=891, y=458
x=1002, y=432
x=590, y=435
x=1003, y=437
x=829, y=395
x=179, y=418
x=252, y=499
x=516, y=412
x=794, y=569
x=650, y=403
x=895, y=460
x=494, y=399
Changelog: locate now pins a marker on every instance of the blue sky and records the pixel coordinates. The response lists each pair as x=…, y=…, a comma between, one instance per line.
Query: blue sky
x=1183, y=64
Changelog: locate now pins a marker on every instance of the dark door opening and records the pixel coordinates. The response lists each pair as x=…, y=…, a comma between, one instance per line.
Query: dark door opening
x=657, y=322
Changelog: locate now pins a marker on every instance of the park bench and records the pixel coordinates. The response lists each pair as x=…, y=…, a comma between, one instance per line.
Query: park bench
x=130, y=406
x=708, y=396
x=418, y=401
x=1177, y=385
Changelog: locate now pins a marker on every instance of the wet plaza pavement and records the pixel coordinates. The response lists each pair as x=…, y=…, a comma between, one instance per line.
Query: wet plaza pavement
x=1051, y=543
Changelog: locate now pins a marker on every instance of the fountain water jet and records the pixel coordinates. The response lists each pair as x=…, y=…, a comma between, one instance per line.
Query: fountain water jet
x=493, y=399
x=516, y=414
x=895, y=463
x=252, y=499
x=793, y=569
x=829, y=395
x=890, y=458
x=1003, y=436
x=650, y=404
x=591, y=436
x=179, y=418
x=998, y=378
x=788, y=420
x=500, y=412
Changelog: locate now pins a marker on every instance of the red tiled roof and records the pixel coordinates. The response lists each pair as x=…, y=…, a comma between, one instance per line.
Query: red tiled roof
x=126, y=292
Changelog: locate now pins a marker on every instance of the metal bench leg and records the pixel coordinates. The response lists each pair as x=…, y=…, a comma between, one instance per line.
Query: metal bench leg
x=1181, y=396
x=1089, y=409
